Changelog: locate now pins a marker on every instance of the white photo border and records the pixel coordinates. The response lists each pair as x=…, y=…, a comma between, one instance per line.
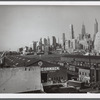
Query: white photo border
x=62, y=3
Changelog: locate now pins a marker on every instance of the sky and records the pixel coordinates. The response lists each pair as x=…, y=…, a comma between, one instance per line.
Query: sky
x=20, y=25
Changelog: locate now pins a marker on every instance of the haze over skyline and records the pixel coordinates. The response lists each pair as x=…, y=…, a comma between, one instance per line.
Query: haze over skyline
x=20, y=25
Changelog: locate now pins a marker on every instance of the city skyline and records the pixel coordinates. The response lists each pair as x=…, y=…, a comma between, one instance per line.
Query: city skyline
x=20, y=25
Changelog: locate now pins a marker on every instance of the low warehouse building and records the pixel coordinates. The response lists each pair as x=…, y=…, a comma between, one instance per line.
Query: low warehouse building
x=51, y=72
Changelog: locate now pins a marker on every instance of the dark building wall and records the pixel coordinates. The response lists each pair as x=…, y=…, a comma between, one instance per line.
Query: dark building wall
x=57, y=76
x=83, y=31
x=85, y=62
x=35, y=46
x=98, y=75
x=72, y=32
x=63, y=40
x=93, y=59
x=54, y=42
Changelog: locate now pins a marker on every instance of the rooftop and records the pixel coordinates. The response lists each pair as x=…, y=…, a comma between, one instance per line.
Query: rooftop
x=20, y=61
x=81, y=56
x=17, y=61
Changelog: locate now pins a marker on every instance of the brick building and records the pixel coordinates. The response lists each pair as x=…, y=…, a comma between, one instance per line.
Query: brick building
x=87, y=68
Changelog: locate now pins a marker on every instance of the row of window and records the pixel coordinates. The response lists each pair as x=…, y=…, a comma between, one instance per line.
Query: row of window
x=29, y=69
x=85, y=64
x=84, y=73
x=50, y=68
x=56, y=78
x=61, y=64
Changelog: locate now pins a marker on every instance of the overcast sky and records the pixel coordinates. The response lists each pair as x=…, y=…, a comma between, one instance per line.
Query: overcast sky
x=20, y=25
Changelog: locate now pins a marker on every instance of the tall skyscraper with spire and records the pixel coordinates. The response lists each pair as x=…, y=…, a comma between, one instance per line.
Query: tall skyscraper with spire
x=83, y=30
x=63, y=41
x=95, y=31
x=72, y=31
x=95, y=26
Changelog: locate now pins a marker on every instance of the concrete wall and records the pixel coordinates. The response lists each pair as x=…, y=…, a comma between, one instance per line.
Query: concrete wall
x=19, y=79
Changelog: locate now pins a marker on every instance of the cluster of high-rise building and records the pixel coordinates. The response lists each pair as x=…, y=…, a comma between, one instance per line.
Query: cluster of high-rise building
x=84, y=42
x=42, y=46
x=45, y=46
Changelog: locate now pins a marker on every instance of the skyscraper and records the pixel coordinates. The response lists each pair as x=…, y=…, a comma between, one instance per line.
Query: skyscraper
x=54, y=42
x=97, y=42
x=63, y=41
x=95, y=32
x=45, y=42
x=35, y=46
x=48, y=42
x=40, y=44
x=95, y=29
x=46, y=48
x=72, y=31
x=95, y=26
x=83, y=30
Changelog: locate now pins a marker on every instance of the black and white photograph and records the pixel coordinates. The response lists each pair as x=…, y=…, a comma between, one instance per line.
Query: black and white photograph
x=50, y=49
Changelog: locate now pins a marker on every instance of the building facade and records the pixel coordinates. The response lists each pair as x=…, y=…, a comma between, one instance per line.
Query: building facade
x=63, y=36
x=87, y=67
x=35, y=46
x=20, y=79
x=97, y=42
x=53, y=42
x=72, y=31
x=51, y=72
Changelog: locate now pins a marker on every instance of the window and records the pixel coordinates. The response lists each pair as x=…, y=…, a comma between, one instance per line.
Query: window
x=94, y=65
x=25, y=69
